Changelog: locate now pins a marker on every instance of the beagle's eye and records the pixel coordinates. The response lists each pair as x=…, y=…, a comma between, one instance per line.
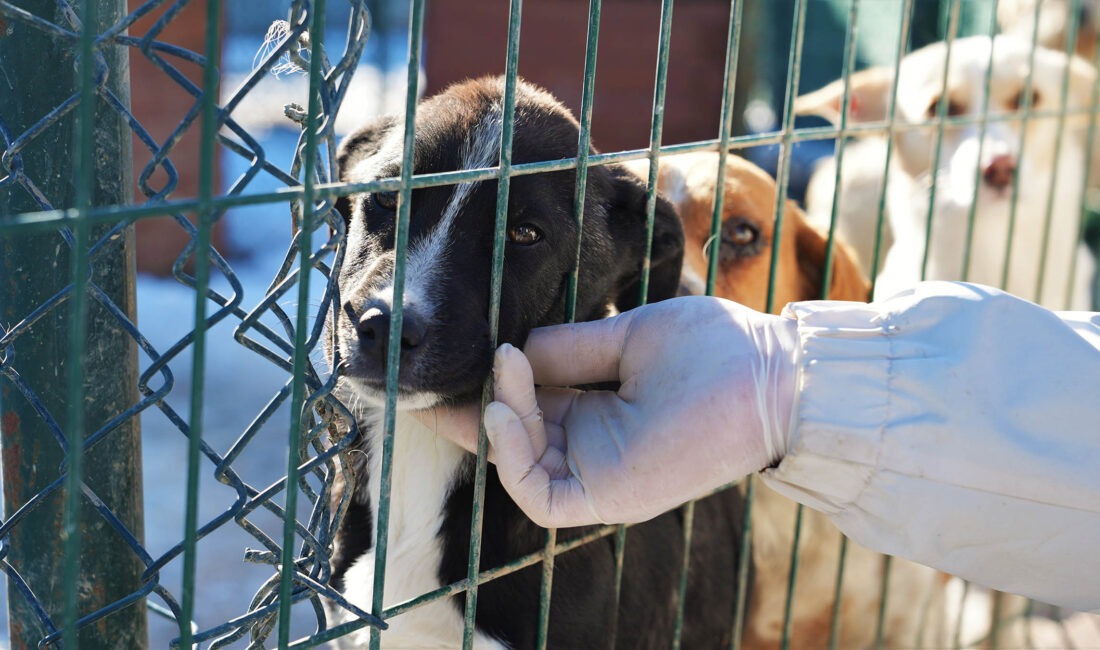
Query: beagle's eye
x=1017, y=102
x=954, y=108
x=741, y=238
x=384, y=200
x=524, y=234
x=742, y=233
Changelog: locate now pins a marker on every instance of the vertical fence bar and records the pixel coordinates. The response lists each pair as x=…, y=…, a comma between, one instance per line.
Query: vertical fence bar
x=393, y=355
x=996, y=613
x=1052, y=192
x=783, y=165
x=202, y=281
x=957, y=638
x=511, y=69
x=588, y=91
x=725, y=131
x=301, y=327
x=850, y=47
x=783, y=168
x=618, y=553
x=905, y=26
x=728, y=110
x=952, y=31
x=656, y=127
x=983, y=128
x=838, y=593
x=950, y=14
x=1025, y=108
x=584, y=143
x=741, y=608
x=725, y=128
x=884, y=587
x=81, y=160
x=78, y=314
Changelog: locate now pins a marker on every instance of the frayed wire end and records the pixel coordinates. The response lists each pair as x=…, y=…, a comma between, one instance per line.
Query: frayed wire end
x=290, y=62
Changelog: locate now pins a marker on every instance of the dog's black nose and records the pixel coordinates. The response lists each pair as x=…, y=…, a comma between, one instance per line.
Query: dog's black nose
x=374, y=325
x=374, y=329
x=999, y=172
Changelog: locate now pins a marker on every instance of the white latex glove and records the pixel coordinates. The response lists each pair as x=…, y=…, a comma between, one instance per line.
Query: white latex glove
x=707, y=389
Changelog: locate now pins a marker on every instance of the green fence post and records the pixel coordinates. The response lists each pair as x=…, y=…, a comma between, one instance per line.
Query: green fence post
x=40, y=74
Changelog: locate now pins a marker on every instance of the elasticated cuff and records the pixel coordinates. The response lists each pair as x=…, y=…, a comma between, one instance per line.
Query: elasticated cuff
x=843, y=403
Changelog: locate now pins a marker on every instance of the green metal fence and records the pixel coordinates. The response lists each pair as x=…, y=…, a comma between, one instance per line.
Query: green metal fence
x=74, y=384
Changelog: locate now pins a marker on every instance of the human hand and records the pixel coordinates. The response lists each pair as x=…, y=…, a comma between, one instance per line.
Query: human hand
x=707, y=390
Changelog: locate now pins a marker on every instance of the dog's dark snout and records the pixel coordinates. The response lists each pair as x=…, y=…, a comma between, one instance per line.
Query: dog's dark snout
x=999, y=172
x=373, y=328
x=412, y=331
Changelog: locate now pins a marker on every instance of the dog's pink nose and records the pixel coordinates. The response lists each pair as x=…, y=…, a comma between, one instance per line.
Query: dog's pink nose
x=999, y=172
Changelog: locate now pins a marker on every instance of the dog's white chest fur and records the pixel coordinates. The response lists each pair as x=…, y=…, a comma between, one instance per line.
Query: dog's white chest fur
x=423, y=470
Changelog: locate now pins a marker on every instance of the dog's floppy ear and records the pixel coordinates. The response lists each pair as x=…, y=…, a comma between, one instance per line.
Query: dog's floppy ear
x=362, y=143
x=848, y=281
x=868, y=97
x=628, y=215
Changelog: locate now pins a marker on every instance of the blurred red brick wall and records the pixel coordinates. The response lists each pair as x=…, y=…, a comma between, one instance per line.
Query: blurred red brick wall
x=467, y=39
x=160, y=105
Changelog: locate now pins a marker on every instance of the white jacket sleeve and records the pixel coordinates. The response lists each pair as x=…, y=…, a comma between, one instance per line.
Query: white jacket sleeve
x=959, y=427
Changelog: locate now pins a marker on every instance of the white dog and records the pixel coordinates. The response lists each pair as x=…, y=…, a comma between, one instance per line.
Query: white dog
x=1036, y=255
x=1054, y=18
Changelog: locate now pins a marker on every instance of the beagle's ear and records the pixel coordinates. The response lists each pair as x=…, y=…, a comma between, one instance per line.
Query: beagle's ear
x=666, y=255
x=868, y=97
x=847, y=281
x=360, y=144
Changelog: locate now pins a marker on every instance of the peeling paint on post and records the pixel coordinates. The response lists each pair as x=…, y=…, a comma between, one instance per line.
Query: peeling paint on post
x=39, y=74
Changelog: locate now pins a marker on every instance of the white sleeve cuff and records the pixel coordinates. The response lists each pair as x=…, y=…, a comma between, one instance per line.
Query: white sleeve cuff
x=838, y=423
x=954, y=425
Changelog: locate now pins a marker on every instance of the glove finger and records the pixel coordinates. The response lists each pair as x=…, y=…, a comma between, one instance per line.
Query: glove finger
x=550, y=503
x=540, y=411
x=578, y=353
x=514, y=386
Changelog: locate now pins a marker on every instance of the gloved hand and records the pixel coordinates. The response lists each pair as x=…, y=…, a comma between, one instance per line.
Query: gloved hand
x=707, y=391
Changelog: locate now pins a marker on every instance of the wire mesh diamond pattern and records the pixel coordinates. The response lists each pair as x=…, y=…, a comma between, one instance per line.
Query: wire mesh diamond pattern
x=266, y=329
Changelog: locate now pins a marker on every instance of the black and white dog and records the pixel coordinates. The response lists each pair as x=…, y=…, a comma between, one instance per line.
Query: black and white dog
x=446, y=356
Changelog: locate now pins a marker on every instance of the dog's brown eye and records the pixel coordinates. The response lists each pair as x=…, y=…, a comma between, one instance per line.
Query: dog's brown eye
x=954, y=108
x=1018, y=101
x=741, y=239
x=524, y=234
x=742, y=233
x=385, y=200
